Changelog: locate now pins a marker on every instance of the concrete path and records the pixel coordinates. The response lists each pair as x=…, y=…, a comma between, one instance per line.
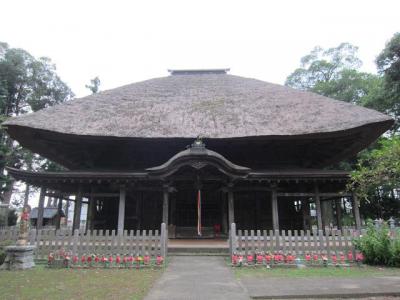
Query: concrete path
x=197, y=277
x=326, y=287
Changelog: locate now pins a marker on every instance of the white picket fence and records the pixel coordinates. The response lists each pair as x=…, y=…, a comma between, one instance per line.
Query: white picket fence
x=293, y=241
x=106, y=242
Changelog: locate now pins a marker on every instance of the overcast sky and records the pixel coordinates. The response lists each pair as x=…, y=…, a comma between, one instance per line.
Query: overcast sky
x=128, y=41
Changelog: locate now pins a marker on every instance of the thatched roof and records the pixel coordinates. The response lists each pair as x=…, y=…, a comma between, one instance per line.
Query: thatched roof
x=212, y=105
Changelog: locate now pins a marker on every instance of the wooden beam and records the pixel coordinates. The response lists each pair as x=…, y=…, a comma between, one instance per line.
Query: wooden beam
x=121, y=210
x=77, y=210
x=39, y=221
x=165, y=205
x=338, y=204
x=59, y=210
x=275, y=213
x=231, y=207
x=318, y=207
x=313, y=194
x=252, y=189
x=356, y=211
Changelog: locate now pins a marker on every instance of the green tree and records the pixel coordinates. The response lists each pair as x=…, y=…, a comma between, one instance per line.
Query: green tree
x=388, y=62
x=376, y=178
x=94, y=85
x=26, y=84
x=334, y=73
x=323, y=65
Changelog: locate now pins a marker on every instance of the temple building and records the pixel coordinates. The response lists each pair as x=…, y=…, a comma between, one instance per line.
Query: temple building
x=257, y=154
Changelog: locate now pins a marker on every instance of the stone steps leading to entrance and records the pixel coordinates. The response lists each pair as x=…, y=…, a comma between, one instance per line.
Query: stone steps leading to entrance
x=186, y=247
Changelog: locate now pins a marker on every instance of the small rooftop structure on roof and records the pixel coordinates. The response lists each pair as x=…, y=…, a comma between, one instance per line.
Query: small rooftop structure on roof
x=198, y=71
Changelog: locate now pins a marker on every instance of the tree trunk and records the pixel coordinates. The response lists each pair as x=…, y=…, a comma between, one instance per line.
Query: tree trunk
x=27, y=192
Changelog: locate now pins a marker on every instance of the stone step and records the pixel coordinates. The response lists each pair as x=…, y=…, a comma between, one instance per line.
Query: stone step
x=197, y=254
x=197, y=251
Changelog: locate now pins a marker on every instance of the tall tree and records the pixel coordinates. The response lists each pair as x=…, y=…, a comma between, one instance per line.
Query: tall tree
x=334, y=73
x=26, y=84
x=388, y=62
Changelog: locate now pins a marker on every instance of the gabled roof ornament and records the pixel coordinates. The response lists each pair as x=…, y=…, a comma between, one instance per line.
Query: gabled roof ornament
x=198, y=146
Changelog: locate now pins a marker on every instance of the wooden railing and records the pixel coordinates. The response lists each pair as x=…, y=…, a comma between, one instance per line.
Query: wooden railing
x=106, y=242
x=293, y=241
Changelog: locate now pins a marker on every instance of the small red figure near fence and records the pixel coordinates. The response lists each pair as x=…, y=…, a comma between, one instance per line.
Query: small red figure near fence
x=290, y=259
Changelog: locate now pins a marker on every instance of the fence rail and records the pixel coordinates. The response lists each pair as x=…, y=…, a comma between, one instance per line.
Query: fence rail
x=99, y=242
x=294, y=241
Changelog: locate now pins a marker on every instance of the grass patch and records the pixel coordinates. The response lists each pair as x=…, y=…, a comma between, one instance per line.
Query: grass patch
x=44, y=283
x=365, y=271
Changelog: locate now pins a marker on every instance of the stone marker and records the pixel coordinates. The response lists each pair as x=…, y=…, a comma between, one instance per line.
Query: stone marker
x=20, y=256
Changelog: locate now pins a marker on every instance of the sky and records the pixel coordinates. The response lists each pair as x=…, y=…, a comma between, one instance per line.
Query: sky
x=123, y=42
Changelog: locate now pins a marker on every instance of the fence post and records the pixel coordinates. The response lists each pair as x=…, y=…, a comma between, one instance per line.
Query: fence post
x=75, y=239
x=232, y=239
x=163, y=240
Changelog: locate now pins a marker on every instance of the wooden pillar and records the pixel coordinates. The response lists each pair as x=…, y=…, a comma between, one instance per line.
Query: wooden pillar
x=172, y=212
x=121, y=209
x=165, y=205
x=67, y=209
x=59, y=211
x=39, y=222
x=356, y=211
x=77, y=210
x=305, y=208
x=231, y=207
x=49, y=202
x=275, y=213
x=318, y=207
x=224, y=214
x=27, y=193
x=91, y=212
x=338, y=204
x=139, y=211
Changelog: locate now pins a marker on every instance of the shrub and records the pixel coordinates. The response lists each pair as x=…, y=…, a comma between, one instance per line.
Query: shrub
x=378, y=247
x=395, y=253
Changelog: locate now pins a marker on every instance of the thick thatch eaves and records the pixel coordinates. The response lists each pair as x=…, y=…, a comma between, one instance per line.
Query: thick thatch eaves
x=212, y=105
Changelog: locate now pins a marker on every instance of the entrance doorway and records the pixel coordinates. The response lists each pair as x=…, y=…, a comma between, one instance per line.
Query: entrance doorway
x=183, y=213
